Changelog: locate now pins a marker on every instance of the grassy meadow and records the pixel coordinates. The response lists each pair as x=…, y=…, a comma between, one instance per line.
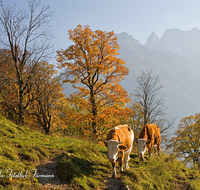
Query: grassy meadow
x=82, y=164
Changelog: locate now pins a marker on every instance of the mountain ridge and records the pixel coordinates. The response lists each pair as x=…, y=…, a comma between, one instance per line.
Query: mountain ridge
x=184, y=43
x=179, y=76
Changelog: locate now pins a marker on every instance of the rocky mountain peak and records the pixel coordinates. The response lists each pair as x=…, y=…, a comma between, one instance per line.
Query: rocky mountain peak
x=127, y=38
x=153, y=42
x=195, y=30
x=153, y=37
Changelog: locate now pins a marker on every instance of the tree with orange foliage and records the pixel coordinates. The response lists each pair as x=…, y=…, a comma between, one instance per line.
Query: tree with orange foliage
x=47, y=95
x=186, y=143
x=92, y=61
x=8, y=86
x=43, y=97
x=78, y=117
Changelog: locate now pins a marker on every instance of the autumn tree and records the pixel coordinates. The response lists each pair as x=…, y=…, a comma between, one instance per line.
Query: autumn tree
x=47, y=96
x=44, y=94
x=8, y=86
x=78, y=117
x=26, y=35
x=186, y=143
x=92, y=61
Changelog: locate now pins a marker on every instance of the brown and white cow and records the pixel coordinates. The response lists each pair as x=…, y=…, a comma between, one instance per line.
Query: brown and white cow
x=148, y=138
x=119, y=143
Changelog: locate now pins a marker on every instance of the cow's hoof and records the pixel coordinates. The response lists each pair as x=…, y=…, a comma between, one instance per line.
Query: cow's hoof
x=113, y=176
x=121, y=170
x=126, y=167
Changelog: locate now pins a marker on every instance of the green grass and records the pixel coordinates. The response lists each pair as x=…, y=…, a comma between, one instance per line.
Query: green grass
x=163, y=172
x=82, y=164
x=85, y=165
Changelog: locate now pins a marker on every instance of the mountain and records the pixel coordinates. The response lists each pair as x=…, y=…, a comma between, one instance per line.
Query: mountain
x=184, y=43
x=179, y=75
x=153, y=42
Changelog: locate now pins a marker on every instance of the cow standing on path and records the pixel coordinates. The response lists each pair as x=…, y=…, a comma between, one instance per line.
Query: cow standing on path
x=148, y=138
x=119, y=143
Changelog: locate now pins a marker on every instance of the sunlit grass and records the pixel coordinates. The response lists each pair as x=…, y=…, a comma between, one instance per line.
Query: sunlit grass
x=83, y=164
x=163, y=172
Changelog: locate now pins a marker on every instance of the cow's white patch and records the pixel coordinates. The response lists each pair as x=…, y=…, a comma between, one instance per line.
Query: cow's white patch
x=128, y=152
x=132, y=139
x=113, y=149
x=141, y=144
x=114, y=171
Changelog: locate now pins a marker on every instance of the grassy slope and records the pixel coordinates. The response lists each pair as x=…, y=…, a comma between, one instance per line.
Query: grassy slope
x=83, y=164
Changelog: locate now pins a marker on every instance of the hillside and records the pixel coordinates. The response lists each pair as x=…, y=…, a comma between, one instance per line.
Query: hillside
x=79, y=164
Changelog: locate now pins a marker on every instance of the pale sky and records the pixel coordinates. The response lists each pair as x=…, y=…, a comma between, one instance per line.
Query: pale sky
x=138, y=18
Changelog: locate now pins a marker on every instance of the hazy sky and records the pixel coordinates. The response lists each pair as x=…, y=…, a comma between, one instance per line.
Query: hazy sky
x=136, y=17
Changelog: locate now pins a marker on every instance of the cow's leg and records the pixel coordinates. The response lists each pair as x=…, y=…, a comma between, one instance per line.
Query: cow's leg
x=158, y=148
x=126, y=159
x=150, y=151
x=121, y=163
x=114, y=169
x=154, y=149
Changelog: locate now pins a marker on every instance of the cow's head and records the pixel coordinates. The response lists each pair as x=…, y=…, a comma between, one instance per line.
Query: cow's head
x=115, y=149
x=142, y=146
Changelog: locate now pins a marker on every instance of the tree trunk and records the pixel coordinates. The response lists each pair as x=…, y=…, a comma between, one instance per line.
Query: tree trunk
x=46, y=125
x=94, y=113
x=46, y=129
x=145, y=114
x=21, y=109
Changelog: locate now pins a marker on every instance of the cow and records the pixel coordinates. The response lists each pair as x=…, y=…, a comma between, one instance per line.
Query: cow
x=149, y=138
x=119, y=143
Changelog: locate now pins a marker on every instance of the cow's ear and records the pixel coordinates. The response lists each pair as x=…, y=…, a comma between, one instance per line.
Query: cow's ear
x=106, y=143
x=122, y=147
x=148, y=142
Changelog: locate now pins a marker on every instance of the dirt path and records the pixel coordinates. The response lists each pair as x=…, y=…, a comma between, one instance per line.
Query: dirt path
x=113, y=184
x=49, y=178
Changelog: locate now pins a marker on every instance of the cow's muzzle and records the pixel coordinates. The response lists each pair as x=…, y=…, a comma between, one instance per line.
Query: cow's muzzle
x=111, y=160
x=141, y=156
